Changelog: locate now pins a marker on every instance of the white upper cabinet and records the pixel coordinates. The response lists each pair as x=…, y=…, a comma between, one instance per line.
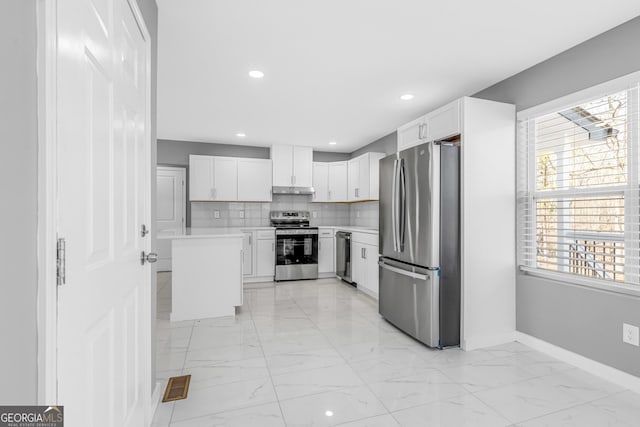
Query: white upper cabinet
x=254, y=180
x=364, y=173
x=225, y=178
x=439, y=124
x=213, y=178
x=200, y=178
x=330, y=182
x=282, y=158
x=302, y=166
x=292, y=166
x=321, y=182
x=338, y=179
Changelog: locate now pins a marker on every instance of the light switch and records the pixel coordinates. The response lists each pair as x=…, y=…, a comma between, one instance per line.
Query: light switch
x=216, y=214
x=241, y=214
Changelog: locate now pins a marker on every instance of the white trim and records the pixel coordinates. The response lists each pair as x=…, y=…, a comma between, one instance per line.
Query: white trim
x=47, y=203
x=148, y=375
x=586, y=282
x=606, y=372
x=475, y=343
x=183, y=202
x=155, y=400
x=580, y=97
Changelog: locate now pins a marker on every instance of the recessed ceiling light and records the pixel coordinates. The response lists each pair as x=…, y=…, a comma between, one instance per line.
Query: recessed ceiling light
x=241, y=135
x=332, y=143
x=329, y=413
x=407, y=97
x=256, y=74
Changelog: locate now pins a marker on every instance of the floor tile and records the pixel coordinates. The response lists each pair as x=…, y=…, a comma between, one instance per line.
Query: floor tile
x=224, y=397
x=228, y=372
x=314, y=381
x=379, y=421
x=543, y=395
x=297, y=361
x=208, y=356
x=415, y=390
x=331, y=408
x=621, y=410
x=465, y=411
x=268, y=415
x=488, y=374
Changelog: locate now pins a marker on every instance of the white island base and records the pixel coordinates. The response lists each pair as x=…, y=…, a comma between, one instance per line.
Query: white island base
x=207, y=276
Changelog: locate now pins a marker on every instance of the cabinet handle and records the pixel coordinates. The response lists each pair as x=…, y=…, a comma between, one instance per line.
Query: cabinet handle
x=294, y=179
x=329, y=194
x=241, y=276
x=250, y=240
x=273, y=246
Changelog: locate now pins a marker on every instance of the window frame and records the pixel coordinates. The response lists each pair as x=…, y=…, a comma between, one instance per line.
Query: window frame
x=527, y=201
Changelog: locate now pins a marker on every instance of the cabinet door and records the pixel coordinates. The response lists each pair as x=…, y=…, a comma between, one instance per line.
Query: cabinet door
x=200, y=178
x=338, y=182
x=302, y=166
x=247, y=254
x=371, y=267
x=354, y=179
x=254, y=180
x=321, y=182
x=357, y=263
x=411, y=134
x=374, y=175
x=265, y=257
x=363, y=191
x=282, y=157
x=444, y=122
x=225, y=178
x=325, y=255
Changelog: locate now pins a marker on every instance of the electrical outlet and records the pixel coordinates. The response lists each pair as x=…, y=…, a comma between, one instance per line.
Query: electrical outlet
x=314, y=214
x=216, y=214
x=630, y=334
x=241, y=214
x=357, y=214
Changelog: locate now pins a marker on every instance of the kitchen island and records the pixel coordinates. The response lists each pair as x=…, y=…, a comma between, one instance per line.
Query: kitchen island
x=207, y=273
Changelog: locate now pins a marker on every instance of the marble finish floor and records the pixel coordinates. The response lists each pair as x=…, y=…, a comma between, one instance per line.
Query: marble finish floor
x=317, y=353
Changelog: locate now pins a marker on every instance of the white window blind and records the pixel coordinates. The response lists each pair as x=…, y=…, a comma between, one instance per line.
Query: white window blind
x=578, y=189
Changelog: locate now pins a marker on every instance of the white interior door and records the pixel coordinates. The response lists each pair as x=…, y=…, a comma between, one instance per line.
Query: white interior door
x=171, y=201
x=103, y=198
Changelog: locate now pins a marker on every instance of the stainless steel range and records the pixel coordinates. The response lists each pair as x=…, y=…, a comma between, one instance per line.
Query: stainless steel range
x=296, y=246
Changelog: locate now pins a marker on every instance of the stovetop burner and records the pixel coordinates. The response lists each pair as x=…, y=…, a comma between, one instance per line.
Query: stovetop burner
x=290, y=219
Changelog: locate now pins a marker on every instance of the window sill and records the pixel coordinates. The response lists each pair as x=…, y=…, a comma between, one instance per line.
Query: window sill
x=570, y=279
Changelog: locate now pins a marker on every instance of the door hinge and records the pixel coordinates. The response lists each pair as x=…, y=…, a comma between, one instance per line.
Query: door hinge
x=61, y=261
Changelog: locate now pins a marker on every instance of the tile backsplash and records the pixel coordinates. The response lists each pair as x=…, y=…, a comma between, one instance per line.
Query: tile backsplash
x=241, y=214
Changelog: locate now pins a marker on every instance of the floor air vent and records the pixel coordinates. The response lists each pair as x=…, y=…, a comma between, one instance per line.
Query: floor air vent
x=177, y=388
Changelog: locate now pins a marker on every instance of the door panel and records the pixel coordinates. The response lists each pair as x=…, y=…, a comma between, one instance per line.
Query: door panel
x=200, y=178
x=302, y=166
x=266, y=257
x=364, y=178
x=409, y=299
x=386, y=204
x=103, y=199
x=321, y=182
x=171, y=203
x=225, y=179
x=338, y=182
x=282, y=156
x=325, y=255
x=354, y=179
x=254, y=180
x=247, y=254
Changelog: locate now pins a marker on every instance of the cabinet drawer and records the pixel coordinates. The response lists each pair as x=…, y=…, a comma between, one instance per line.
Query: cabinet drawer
x=266, y=234
x=365, y=238
x=325, y=232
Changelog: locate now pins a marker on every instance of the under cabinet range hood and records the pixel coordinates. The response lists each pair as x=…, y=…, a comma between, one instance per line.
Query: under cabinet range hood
x=293, y=190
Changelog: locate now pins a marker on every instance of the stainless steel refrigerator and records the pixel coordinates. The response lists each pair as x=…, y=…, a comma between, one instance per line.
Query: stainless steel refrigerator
x=420, y=242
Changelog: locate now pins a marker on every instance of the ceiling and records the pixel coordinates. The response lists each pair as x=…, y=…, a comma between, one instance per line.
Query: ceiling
x=335, y=69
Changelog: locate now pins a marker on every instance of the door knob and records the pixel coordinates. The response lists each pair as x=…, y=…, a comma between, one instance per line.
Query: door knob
x=151, y=257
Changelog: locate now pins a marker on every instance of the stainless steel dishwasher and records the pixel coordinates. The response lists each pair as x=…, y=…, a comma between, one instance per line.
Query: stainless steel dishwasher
x=343, y=256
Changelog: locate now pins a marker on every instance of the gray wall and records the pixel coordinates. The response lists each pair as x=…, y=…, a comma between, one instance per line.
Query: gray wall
x=149, y=10
x=18, y=192
x=326, y=156
x=388, y=144
x=582, y=320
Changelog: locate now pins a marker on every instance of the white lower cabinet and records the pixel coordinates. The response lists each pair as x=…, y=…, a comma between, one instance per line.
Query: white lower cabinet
x=247, y=254
x=260, y=263
x=265, y=257
x=364, y=262
x=326, y=252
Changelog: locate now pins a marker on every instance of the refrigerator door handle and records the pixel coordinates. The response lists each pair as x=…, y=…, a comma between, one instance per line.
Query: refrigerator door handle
x=393, y=205
x=403, y=272
x=403, y=206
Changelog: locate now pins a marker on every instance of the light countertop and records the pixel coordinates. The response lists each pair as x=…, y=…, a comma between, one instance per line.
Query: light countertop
x=204, y=233
x=353, y=228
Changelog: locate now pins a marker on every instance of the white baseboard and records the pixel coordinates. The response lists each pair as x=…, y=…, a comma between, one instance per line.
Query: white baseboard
x=368, y=293
x=475, y=343
x=606, y=372
x=258, y=279
x=155, y=400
